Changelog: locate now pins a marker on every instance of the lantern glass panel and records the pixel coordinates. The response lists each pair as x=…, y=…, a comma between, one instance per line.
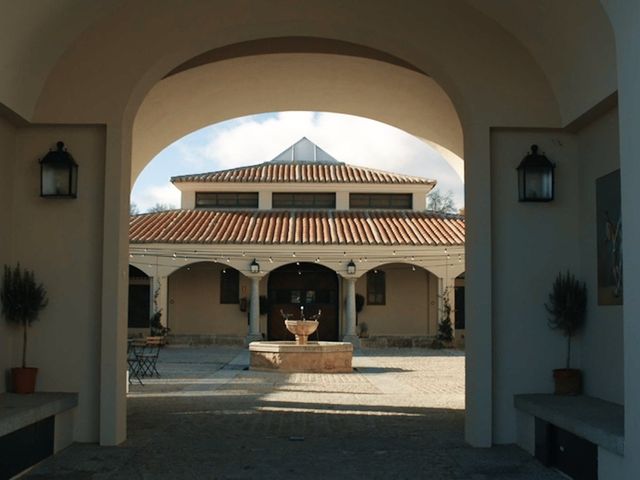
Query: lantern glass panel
x=55, y=179
x=538, y=183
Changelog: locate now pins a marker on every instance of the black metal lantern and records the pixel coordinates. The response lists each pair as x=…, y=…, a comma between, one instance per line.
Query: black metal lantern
x=254, y=267
x=58, y=174
x=535, y=178
x=351, y=268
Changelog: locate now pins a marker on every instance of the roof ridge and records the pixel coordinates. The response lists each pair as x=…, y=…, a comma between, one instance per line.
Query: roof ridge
x=203, y=176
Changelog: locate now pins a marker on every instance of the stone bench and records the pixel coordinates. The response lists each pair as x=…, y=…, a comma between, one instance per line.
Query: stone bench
x=33, y=427
x=596, y=421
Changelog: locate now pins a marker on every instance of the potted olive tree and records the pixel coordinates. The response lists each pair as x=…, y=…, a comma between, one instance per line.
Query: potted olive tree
x=22, y=299
x=567, y=309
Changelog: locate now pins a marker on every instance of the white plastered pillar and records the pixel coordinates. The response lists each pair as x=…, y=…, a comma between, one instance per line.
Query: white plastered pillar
x=625, y=17
x=115, y=274
x=479, y=332
x=350, y=312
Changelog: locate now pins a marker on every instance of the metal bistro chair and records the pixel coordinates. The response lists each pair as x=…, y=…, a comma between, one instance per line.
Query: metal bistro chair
x=133, y=361
x=149, y=356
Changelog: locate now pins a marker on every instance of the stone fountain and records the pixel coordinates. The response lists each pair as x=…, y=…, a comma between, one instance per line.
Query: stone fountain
x=301, y=355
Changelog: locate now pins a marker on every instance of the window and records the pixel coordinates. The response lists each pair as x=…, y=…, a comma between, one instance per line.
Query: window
x=376, y=287
x=229, y=286
x=226, y=199
x=304, y=200
x=380, y=200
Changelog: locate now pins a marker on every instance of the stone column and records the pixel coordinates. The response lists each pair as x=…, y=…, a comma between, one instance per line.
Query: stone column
x=350, y=313
x=254, y=311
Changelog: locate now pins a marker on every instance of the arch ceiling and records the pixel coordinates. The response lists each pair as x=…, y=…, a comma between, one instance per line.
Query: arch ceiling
x=515, y=63
x=226, y=89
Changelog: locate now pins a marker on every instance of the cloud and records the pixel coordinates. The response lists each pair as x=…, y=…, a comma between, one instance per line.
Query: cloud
x=150, y=196
x=259, y=138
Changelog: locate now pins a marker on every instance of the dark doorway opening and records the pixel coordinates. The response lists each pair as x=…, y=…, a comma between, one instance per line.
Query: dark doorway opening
x=307, y=285
x=139, y=298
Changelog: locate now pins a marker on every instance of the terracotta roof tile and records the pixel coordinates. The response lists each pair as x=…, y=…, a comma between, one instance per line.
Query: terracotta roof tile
x=303, y=173
x=298, y=227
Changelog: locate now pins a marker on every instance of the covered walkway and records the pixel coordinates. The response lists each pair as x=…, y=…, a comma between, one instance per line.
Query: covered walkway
x=399, y=415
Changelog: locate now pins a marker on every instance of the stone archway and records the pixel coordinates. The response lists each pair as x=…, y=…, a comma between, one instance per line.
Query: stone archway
x=307, y=285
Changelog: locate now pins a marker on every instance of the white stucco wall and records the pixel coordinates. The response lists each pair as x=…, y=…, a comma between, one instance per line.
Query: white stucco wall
x=531, y=244
x=602, y=358
x=7, y=146
x=194, y=303
x=65, y=343
x=411, y=305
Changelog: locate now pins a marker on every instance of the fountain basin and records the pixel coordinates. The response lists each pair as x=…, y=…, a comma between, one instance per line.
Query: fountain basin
x=301, y=329
x=313, y=357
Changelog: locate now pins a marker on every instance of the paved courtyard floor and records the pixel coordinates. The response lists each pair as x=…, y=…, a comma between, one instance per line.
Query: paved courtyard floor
x=400, y=415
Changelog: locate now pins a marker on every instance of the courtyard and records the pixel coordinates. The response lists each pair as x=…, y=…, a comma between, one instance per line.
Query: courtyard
x=400, y=414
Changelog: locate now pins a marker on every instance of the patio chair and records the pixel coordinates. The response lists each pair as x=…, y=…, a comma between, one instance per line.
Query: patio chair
x=133, y=362
x=149, y=356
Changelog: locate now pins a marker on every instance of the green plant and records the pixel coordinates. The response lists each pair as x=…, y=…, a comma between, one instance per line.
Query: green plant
x=363, y=330
x=567, y=307
x=445, y=327
x=157, y=329
x=22, y=299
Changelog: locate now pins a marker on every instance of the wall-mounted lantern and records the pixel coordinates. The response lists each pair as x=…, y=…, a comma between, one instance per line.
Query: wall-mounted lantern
x=58, y=174
x=535, y=178
x=351, y=268
x=254, y=266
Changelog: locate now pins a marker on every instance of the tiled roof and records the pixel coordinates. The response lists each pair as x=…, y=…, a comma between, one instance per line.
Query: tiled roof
x=298, y=227
x=270, y=172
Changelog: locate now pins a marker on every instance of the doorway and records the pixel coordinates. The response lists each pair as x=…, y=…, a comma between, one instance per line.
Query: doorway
x=313, y=287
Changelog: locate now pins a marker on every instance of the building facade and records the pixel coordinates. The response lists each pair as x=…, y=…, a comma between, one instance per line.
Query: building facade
x=297, y=235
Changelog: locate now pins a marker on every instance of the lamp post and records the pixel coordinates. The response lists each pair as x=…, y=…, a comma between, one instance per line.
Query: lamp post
x=535, y=178
x=58, y=174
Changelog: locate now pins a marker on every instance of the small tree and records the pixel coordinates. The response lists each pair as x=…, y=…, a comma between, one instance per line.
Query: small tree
x=567, y=307
x=445, y=327
x=156, y=328
x=22, y=299
x=441, y=202
x=161, y=207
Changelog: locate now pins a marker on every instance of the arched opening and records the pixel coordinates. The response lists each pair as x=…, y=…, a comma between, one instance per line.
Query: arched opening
x=303, y=288
x=140, y=298
x=206, y=304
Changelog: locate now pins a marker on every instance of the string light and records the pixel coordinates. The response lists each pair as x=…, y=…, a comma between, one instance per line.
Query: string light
x=427, y=260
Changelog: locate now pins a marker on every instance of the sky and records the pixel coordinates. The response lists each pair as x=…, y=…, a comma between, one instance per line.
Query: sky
x=259, y=138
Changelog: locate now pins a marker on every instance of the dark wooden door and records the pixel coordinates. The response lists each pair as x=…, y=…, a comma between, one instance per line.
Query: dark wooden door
x=307, y=285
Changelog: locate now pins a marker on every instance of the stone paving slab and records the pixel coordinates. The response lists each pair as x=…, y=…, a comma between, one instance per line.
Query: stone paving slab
x=399, y=415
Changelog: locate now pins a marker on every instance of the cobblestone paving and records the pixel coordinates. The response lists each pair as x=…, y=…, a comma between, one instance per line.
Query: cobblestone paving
x=399, y=415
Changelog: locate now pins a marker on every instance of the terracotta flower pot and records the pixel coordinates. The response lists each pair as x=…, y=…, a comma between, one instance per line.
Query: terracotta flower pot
x=24, y=379
x=568, y=381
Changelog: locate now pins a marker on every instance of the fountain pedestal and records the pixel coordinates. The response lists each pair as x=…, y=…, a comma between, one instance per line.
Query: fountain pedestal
x=301, y=356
